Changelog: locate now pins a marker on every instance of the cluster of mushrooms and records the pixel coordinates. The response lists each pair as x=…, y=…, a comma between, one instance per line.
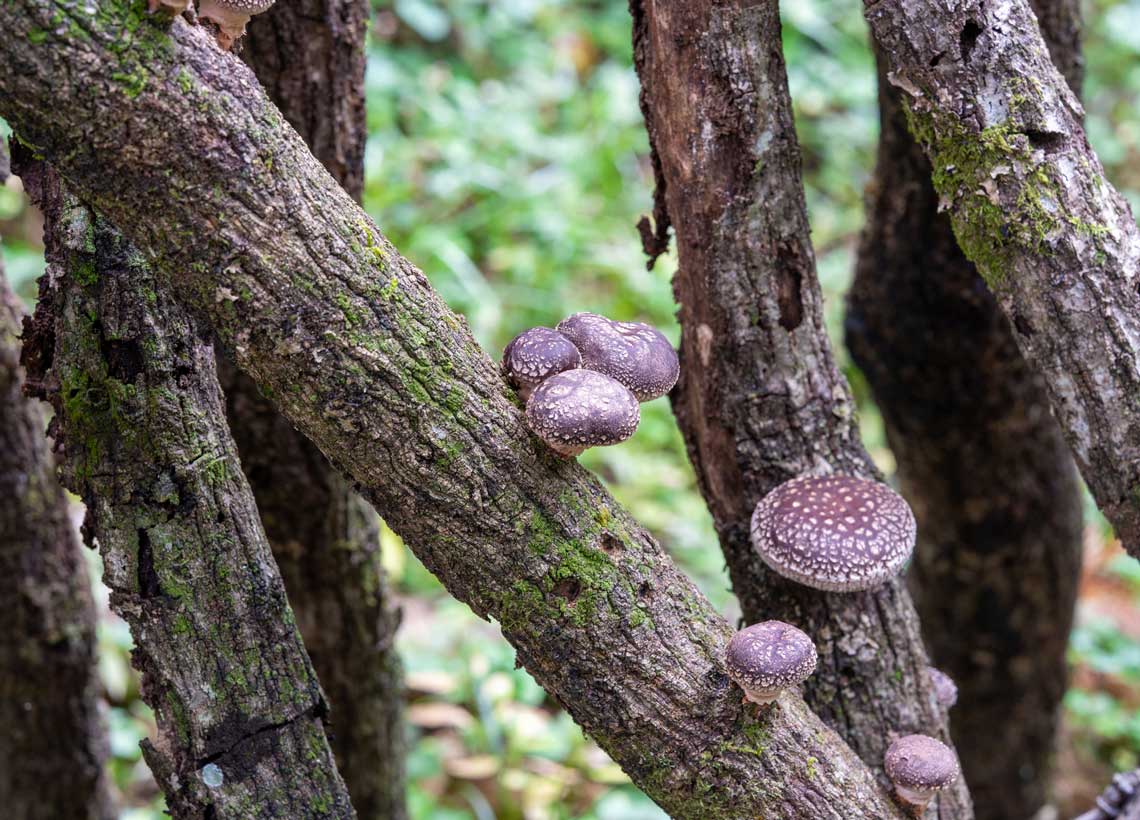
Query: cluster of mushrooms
x=582, y=382
x=839, y=534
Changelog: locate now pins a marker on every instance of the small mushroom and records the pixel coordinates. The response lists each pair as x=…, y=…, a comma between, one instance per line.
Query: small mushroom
x=637, y=355
x=578, y=409
x=919, y=766
x=945, y=690
x=230, y=16
x=535, y=355
x=836, y=533
x=767, y=658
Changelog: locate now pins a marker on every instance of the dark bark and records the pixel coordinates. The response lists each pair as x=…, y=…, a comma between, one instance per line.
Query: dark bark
x=310, y=55
x=1031, y=208
x=358, y=351
x=53, y=732
x=981, y=460
x=760, y=399
x=142, y=425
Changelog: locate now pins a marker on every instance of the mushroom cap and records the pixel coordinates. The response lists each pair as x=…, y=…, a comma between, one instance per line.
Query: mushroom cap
x=944, y=688
x=250, y=7
x=920, y=763
x=535, y=355
x=836, y=533
x=770, y=656
x=577, y=409
x=636, y=354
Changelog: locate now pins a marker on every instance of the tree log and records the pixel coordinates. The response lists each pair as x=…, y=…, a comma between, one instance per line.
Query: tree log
x=140, y=418
x=49, y=693
x=981, y=460
x=173, y=140
x=760, y=399
x=1031, y=208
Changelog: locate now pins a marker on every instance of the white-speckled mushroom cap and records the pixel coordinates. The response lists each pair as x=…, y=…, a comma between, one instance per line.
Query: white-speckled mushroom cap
x=920, y=764
x=636, y=354
x=945, y=690
x=836, y=533
x=766, y=658
x=230, y=16
x=577, y=409
x=535, y=355
x=250, y=7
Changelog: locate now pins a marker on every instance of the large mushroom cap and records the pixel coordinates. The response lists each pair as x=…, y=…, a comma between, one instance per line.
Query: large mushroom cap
x=836, y=533
x=637, y=355
x=920, y=764
x=230, y=16
x=768, y=657
x=577, y=409
x=535, y=355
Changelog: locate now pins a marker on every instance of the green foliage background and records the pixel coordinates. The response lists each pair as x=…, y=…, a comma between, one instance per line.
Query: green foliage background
x=507, y=159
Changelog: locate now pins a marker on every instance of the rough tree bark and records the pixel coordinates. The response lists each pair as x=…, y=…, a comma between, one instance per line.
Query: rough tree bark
x=49, y=694
x=981, y=460
x=358, y=351
x=1031, y=208
x=760, y=399
x=310, y=55
x=141, y=421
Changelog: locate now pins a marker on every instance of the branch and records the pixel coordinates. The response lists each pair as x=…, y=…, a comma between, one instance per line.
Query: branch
x=760, y=399
x=140, y=419
x=1031, y=208
x=175, y=141
x=49, y=691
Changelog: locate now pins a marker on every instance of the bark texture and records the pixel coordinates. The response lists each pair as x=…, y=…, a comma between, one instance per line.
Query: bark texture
x=1031, y=208
x=142, y=423
x=49, y=693
x=310, y=55
x=355, y=348
x=980, y=459
x=760, y=399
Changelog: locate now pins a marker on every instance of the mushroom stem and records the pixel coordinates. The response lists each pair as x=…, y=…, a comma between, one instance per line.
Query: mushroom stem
x=230, y=22
x=914, y=801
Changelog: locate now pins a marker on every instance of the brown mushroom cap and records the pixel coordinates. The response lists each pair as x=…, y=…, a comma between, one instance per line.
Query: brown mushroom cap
x=636, y=354
x=577, y=409
x=920, y=764
x=944, y=688
x=837, y=533
x=766, y=658
x=535, y=355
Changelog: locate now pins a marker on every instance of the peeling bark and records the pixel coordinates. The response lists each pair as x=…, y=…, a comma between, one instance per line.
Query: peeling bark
x=355, y=348
x=140, y=419
x=1031, y=208
x=981, y=460
x=310, y=55
x=760, y=399
x=49, y=693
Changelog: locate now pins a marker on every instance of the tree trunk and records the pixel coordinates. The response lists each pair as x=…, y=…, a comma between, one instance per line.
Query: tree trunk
x=53, y=745
x=310, y=56
x=760, y=399
x=354, y=347
x=981, y=460
x=1031, y=208
x=142, y=424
